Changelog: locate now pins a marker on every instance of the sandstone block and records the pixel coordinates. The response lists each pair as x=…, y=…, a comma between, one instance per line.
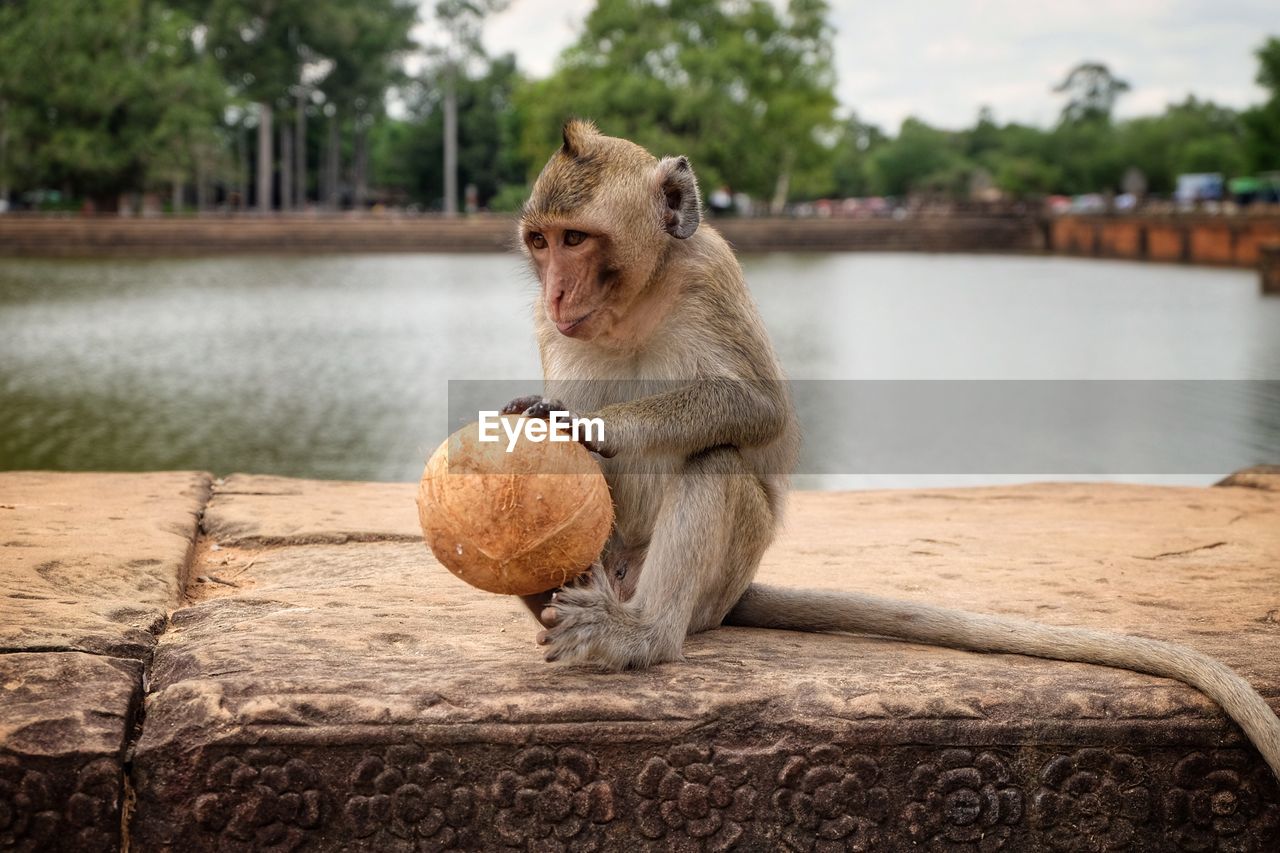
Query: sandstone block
x=347, y=694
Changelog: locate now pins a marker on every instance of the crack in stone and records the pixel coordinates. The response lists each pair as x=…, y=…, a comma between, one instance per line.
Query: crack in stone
x=138, y=709
x=1161, y=556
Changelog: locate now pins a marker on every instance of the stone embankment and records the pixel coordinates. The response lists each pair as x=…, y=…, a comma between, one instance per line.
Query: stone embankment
x=113, y=236
x=1238, y=241
x=1223, y=241
x=266, y=664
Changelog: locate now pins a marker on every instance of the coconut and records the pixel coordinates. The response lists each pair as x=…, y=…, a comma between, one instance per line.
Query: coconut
x=517, y=522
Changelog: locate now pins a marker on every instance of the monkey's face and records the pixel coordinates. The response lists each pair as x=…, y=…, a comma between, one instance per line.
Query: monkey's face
x=578, y=277
x=600, y=220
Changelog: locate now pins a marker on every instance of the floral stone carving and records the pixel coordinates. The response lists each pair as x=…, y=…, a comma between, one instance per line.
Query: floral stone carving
x=1215, y=803
x=409, y=795
x=1090, y=800
x=260, y=800
x=553, y=800
x=831, y=802
x=27, y=818
x=695, y=792
x=962, y=801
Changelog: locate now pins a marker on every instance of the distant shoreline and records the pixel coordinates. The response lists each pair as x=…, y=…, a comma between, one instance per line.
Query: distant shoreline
x=114, y=237
x=1220, y=241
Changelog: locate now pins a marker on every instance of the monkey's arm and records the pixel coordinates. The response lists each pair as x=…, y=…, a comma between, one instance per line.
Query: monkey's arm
x=703, y=414
x=685, y=420
x=812, y=610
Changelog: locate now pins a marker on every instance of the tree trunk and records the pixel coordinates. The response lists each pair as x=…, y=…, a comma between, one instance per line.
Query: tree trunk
x=242, y=171
x=176, y=203
x=782, y=187
x=450, y=141
x=331, y=168
x=361, y=166
x=286, y=165
x=265, y=160
x=4, y=158
x=202, y=182
x=300, y=148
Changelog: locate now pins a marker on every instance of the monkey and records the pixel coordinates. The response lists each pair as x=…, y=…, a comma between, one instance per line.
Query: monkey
x=644, y=320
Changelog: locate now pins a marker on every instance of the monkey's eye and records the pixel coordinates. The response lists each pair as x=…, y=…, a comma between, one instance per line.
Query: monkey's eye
x=573, y=238
x=537, y=240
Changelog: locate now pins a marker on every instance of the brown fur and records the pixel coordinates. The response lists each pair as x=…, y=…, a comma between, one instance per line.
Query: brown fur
x=700, y=436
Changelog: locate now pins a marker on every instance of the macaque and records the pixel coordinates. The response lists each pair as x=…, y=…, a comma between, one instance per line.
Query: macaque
x=645, y=321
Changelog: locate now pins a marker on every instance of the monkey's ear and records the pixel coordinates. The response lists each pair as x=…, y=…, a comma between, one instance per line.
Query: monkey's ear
x=681, y=207
x=574, y=132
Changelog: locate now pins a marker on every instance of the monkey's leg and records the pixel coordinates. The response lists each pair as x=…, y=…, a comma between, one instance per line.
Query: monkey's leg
x=713, y=525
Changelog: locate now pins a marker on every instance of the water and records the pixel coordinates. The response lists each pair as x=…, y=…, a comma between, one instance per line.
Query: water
x=336, y=367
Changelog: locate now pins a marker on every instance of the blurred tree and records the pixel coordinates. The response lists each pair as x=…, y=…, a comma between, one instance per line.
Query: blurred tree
x=851, y=164
x=258, y=46
x=1023, y=176
x=462, y=21
x=1092, y=91
x=1086, y=155
x=100, y=97
x=365, y=42
x=1194, y=136
x=984, y=137
x=1262, y=123
x=745, y=91
x=350, y=51
x=408, y=152
x=921, y=159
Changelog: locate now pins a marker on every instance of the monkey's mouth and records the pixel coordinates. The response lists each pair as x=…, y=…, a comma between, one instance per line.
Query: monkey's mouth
x=570, y=327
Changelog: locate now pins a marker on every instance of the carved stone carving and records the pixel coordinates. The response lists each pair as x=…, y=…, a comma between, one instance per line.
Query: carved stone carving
x=259, y=800
x=409, y=794
x=553, y=800
x=1090, y=800
x=962, y=801
x=28, y=820
x=696, y=793
x=830, y=801
x=1215, y=803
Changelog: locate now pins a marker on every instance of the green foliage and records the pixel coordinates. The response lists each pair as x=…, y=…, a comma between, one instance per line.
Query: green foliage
x=1262, y=123
x=364, y=41
x=745, y=91
x=98, y=97
x=851, y=167
x=103, y=96
x=409, y=153
x=509, y=199
x=1194, y=136
x=922, y=159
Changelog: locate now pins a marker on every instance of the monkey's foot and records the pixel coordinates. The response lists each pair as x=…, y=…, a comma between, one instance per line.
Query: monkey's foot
x=590, y=624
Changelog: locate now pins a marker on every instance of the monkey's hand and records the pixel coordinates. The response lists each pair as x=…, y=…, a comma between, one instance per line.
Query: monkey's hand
x=534, y=406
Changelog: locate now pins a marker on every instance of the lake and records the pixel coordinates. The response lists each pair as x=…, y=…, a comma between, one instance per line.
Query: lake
x=338, y=366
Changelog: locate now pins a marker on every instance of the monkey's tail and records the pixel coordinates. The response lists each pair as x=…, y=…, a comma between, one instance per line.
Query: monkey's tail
x=813, y=610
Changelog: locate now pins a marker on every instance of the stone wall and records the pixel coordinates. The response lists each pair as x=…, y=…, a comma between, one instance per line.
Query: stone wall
x=1222, y=241
x=113, y=236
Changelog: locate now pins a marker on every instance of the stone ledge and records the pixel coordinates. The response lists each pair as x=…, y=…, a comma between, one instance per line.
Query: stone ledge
x=340, y=690
x=64, y=724
x=93, y=562
x=321, y=682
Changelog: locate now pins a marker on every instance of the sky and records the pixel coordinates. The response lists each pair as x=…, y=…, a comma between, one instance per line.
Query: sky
x=943, y=60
